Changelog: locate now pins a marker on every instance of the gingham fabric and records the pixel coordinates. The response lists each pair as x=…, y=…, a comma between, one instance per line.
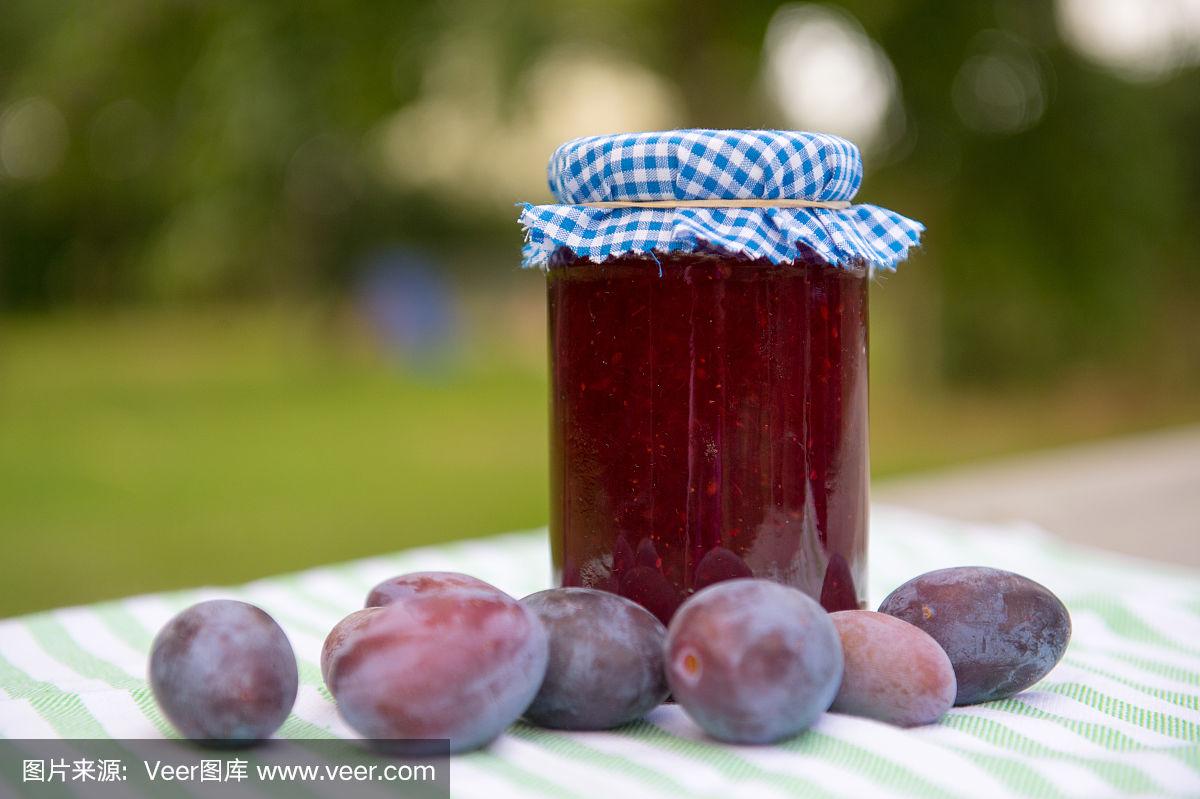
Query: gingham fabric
x=1119, y=716
x=713, y=164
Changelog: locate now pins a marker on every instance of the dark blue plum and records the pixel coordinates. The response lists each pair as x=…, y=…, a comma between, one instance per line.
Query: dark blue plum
x=752, y=661
x=454, y=664
x=1003, y=632
x=606, y=660
x=223, y=673
x=416, y=583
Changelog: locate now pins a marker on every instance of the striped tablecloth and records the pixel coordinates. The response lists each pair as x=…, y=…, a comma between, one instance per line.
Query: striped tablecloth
x=1119, y=716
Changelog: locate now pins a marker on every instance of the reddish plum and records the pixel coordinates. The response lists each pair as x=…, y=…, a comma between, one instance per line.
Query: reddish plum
x=334, y=642
x=457, y=665
x=417, y=583
x=895, y=672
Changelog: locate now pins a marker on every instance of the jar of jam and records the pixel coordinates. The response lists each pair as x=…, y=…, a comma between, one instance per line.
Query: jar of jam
x=708, y=362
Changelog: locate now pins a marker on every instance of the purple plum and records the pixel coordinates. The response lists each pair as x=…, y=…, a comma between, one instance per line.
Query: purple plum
x=416, y=583
x=223, y=673
x=1003, y=632
x=458, y=665
x=606, y=660
x=752, y=661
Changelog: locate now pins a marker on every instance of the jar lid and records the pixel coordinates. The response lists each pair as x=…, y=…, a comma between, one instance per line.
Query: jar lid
x=713, y=165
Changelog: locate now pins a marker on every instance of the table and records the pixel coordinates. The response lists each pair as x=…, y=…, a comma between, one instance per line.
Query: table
x=1119, y=716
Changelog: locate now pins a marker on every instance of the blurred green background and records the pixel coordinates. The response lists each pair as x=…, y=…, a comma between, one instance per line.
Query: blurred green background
x=260, y=304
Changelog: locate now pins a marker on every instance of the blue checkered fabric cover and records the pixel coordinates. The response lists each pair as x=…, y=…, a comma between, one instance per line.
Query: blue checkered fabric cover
x=713, y=164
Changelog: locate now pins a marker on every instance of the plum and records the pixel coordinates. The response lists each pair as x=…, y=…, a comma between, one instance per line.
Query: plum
x=606, y=660
x=332, y=648
x=414, y=583
x=224, y=673
x=895, y=672
x=1003, y=632
x=752, y=661
x=457, y=664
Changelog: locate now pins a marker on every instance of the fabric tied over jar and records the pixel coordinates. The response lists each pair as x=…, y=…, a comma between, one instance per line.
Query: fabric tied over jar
x=707, y=165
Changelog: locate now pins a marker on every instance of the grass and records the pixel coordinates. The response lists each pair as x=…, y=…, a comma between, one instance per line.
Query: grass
x=149, y=450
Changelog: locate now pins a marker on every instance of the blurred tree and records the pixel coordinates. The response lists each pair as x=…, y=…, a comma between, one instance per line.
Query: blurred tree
x=156, y=150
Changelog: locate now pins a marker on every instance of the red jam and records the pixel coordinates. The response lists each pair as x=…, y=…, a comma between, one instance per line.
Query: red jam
x=709, y=421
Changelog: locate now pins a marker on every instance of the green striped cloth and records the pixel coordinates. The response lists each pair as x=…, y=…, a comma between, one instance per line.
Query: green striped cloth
x=1119, y=716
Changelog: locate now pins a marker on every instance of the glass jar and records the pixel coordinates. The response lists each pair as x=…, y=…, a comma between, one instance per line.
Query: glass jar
x=708, y=354
x=708, y=421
